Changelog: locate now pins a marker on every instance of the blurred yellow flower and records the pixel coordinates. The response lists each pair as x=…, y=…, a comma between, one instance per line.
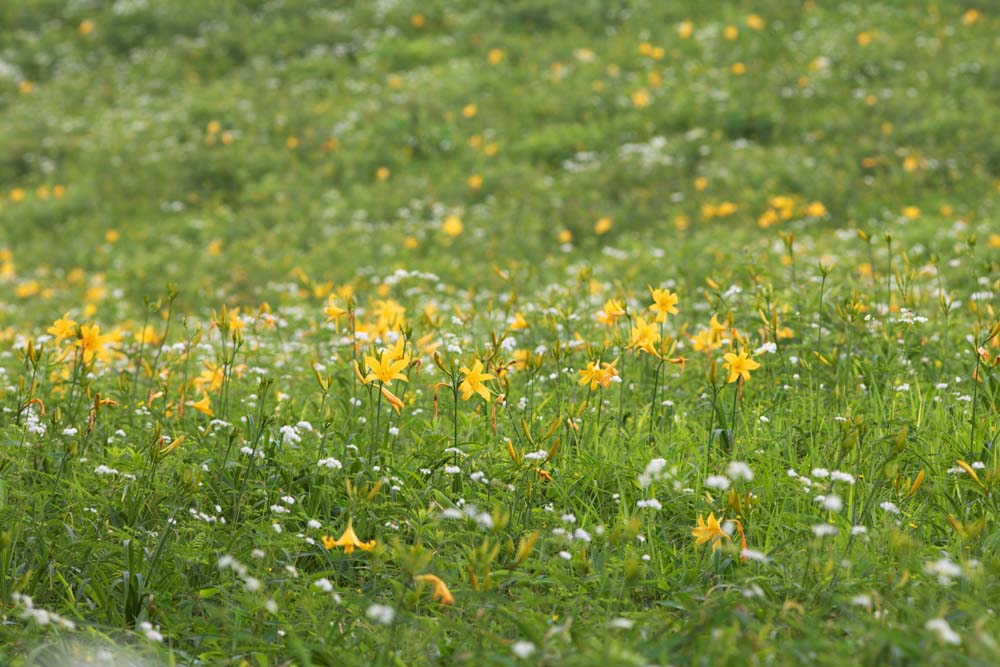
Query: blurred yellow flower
x=348, y=541
x=611, y=312
x=641, y=98
x=709, y=531
x=816, y=210
x=440, y=590
x=63, y=328
x=473, y=382
x=599, y=376
x=202, y=406
x=644, y=336
x=739, y=366
x=93, y=344
x=452, y=225
x=664, y=303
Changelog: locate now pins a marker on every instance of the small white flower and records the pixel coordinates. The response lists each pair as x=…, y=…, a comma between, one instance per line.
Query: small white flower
x=314, y=524
x=719, y=482
x=940, y=627
x=324, y=585
x=753, y=554
x=381, y=613
x=654, y=470
x=739, y=470
x=944, y=569
x=522, y=649
x=832, y=503
x=839, y=476
x=565, y=555
x=862, y=600
x=824, y=530
x=889, y=507
x=152, y=634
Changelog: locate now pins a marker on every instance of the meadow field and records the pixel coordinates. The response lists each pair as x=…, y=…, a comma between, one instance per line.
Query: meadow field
x=536, y=332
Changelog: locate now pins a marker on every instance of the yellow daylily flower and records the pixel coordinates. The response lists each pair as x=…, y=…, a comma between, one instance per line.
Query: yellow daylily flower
x=473, y=382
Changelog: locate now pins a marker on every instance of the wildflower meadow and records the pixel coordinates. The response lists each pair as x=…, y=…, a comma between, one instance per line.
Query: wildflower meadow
x=537, y=332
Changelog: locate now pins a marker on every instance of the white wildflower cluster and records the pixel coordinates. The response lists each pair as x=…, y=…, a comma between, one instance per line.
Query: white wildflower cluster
x=33, y=422
x=654, y=472
x=250, y=583
x=107, y=471
x=944, y=633
x=326, y=586
x=522, y=649
x=821, y=475
x=381, y=613
x=39, y=615
x=720, y=482
x=959, y=470
x=944, y=569
x=832, y=502
x=738, y=470
x=909, y=317
x=208, y=518
x=151, y=632
x=290, y=435
x=824, y=530
x=330, y=463
x=249, y=451
x=483, y=519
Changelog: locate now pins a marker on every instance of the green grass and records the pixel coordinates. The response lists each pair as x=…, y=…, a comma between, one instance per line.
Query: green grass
x=215, y=173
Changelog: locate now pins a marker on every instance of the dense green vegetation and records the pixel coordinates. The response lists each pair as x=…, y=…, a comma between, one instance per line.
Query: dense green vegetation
x=535, y=332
